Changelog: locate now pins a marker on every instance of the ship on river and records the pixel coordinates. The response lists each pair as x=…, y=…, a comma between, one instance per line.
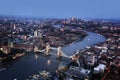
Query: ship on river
x=41, y=75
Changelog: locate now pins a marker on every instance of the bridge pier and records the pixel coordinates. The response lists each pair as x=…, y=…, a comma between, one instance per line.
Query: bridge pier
x=75, y=58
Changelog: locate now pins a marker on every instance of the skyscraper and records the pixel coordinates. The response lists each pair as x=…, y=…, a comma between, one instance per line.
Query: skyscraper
x=14, y=26
x=35, y=33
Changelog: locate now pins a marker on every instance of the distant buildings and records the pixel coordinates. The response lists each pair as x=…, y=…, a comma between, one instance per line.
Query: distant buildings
x=30, y=35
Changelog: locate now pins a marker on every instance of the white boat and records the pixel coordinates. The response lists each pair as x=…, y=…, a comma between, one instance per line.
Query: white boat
x=88, y=39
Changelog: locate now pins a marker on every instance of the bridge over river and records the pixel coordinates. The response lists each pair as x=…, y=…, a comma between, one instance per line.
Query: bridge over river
x=24, y=66
x=69, y=50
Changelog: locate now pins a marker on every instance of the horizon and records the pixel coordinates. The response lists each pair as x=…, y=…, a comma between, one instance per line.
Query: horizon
x=40, y=17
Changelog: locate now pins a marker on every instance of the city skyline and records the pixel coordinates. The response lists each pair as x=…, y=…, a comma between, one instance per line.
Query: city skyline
x=39, y=42
x=61, y=9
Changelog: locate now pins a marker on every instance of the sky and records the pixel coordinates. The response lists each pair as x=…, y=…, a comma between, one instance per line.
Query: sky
x=61, y=8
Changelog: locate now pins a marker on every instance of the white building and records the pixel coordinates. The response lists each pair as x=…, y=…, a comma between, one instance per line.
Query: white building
x=35, y=33
x=99, y=69
x=14, y=26
x=38, y=33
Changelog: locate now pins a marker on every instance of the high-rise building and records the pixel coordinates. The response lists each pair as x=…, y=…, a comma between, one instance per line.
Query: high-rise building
x=73, y=18
x=39, y=33
x=14, y=26
x=10, y=43
x=35, y=33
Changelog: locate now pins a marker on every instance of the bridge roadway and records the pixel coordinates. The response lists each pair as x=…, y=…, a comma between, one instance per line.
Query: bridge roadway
x=54, y=48
x=62, y=52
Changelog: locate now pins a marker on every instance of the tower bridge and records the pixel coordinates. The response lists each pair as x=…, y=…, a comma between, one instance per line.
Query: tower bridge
x=48, y=48
x=60, y=52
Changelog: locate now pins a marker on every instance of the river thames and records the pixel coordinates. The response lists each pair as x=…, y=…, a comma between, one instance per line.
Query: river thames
x=30, y=63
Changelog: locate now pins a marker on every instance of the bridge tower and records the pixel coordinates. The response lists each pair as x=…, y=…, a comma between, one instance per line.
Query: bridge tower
x=59, y=51
x=47, y=49
x=75, y=57
x=35, y=49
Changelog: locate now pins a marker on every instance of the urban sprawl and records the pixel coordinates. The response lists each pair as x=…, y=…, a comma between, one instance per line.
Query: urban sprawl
x=21, y=36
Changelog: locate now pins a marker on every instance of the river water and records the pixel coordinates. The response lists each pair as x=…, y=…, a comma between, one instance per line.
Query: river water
x=30, y=63
x=89, y=40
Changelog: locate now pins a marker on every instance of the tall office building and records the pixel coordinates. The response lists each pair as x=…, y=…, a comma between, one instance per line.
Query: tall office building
x=35, y=33
x=10, y=43
x=39, y=34
x=14, y=26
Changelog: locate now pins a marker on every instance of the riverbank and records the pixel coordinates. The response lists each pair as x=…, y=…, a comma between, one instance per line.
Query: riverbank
x=90, y=40
x=31, y=63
